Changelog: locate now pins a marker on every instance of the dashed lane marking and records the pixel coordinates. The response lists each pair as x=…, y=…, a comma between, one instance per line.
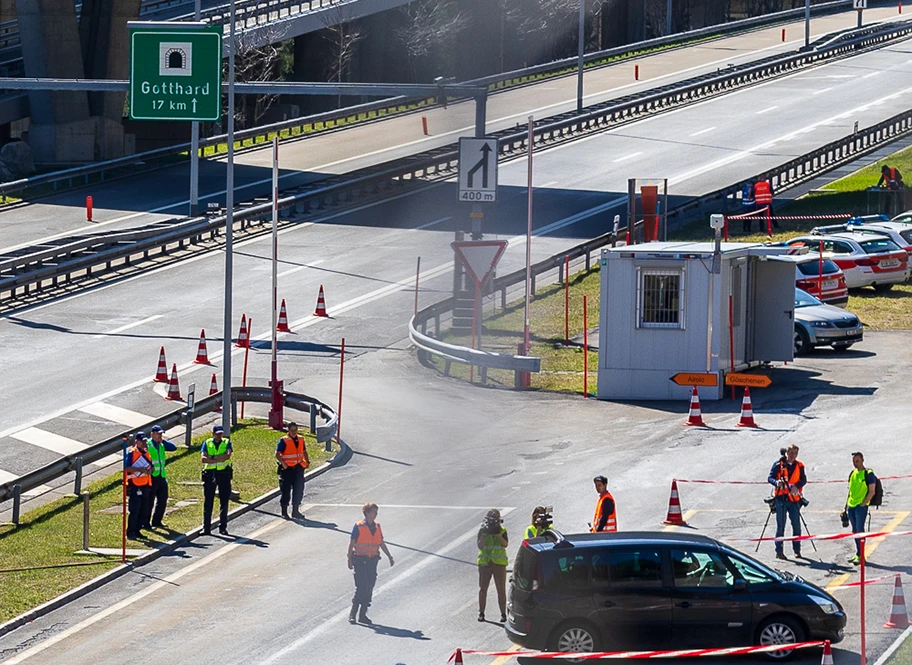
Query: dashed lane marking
x=121, y=329
x=702, y=131
x=49, y=441
x=767, y=110
x=116, y=414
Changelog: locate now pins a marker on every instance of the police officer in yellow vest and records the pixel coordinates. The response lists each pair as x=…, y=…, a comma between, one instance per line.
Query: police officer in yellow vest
x=363, y=557
x=158, y=445
x=217, y=472
x=492, y=562
x=291, y=454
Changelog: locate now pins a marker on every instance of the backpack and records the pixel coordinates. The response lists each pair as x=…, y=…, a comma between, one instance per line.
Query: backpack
x=877, y=499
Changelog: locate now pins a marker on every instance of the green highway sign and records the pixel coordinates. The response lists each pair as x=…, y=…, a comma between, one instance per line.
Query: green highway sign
x=175, y=71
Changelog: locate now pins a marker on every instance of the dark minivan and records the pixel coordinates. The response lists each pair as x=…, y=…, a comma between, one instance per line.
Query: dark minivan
x=651, y=591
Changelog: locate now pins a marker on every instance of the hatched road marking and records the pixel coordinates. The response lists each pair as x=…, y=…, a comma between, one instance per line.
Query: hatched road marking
x=116, y=414
x=49, y=441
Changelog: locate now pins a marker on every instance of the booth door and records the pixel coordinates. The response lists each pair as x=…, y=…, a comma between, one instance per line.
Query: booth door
x=771, y=310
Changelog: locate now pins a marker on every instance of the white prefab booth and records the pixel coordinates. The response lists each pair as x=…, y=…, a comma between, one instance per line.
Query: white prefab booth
x=656, y=319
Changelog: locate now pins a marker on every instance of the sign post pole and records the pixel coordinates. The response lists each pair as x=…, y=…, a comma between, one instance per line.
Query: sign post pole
x=526, y=316
x=194, y=142
x=229, y=233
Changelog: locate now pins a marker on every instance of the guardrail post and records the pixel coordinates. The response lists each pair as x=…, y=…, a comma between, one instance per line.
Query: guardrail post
x=17, y=500
x=588, y=260
x=188, y=432
x=312, y=412
x=77, y=485
x=85, y=521
x=234, y=411
x=484, y=375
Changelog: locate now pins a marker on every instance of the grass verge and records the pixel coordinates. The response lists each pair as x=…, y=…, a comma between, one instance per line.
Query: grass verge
x=903, y=655
x=35, y=557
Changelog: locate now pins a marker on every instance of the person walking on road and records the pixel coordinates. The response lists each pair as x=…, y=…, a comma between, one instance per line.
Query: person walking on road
x=291, y=454
x=158, y=501
x=363, y=557
x=492, y=562
x=862, y=485
x=217, y=473
x=605, y=518
x=138, y=477
x=788, y=478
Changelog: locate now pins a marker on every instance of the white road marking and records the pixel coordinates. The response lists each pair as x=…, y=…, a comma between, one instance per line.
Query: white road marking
x=703, y=131
x=383, y=588
x=626, y=157
x=820, y=92
x=434, y=223
x=6, y=476
x=116, y=458
x=767, y=110
x=872, y=74
x=135, y=324
x=550, y=183
x=49, y=441
x=398, y=505
x=168, y=582
x=116, y=414
x=312, y=264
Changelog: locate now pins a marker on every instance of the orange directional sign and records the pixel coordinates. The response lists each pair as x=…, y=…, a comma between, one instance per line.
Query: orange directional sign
x=750, y=380
x=695, y=379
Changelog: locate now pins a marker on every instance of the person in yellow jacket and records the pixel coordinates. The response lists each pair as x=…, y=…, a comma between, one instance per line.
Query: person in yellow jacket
x=492, y=562
x=541, y=522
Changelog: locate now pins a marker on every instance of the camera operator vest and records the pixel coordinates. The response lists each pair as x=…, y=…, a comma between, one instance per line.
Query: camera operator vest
x=792, y=479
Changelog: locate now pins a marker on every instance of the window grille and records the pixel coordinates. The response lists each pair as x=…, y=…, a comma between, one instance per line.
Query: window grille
x=660, y=298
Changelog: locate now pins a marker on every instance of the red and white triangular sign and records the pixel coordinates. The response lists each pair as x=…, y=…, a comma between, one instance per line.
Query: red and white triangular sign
x=480, y=257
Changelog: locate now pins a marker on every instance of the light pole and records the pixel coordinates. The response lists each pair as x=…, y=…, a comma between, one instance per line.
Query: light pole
x=807, y=23
x=668, y=17
x=194, y=143
x=229, y=233
x=580, y=52
x=527, y=319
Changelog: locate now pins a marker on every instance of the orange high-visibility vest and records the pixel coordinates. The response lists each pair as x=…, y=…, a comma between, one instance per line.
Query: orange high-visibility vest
x=368, y=544
x=295, y=452
x=793, y=480
x=135, y=478
x=763, y=193
x=611, y=522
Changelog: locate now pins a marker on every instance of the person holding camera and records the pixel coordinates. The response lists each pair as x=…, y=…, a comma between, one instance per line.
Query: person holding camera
x=862, y=486
x=492, y=562
x=788, y=478
x=605, y=518
x=541, y=522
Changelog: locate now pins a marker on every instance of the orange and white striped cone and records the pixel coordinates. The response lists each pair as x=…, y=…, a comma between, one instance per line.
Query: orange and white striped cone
x=243, y=341
x=674, y=516
x=695, y=417
x=827, y=658
x=899, y=618
x=283, y=319
x=321, y=304
x=213, y=389
x=747, y=411
x=174, y=392
x=202, y=355
x=161, y=373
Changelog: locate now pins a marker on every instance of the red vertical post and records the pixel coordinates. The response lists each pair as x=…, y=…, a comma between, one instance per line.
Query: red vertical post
x=474, y=326
x=783, y=34
x=246, y=356
x=585, y=347
x=636, y=72
x=123, y=529
x=725, y=229
x=820, y=268
x=88, y=208
x=731, y=336
x=769, y=223
x=566, y=301
x=899, y=6
x=424, y=125
x=339, y=410
x=417, y=273
x=861, y=589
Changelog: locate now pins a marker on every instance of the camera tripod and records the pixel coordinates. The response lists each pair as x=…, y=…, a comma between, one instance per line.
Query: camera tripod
x=772, y=505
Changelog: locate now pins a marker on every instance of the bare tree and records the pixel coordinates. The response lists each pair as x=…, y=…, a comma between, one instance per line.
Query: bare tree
x=343, y=35
x=267, y=59
x=431, y=32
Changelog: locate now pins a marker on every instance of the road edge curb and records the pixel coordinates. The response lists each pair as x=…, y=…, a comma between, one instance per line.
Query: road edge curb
x=886, y=655
x=74, y=594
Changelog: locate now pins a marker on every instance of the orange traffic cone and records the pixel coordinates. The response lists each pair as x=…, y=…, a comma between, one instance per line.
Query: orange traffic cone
x=674, y=516
x=161, y=374
x=283, y=319
x=202, y=356
x=243, y=341
x=695, y=418
x=827, y=654
x=213, y=388
x=321, y=304
x=747, y=411
x=899, y=618
x=174, y=392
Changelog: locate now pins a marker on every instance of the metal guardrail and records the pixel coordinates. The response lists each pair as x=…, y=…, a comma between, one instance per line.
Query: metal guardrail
x=295, y=127
x=76, y=462
x=79, y=258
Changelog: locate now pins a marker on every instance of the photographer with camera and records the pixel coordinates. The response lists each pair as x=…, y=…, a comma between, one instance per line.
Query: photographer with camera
x=788, y=478
x=862, y=493
x=541, y=522
x=492, y=562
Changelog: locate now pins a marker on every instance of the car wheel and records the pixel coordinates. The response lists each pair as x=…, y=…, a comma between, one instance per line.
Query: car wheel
x=575, y=637
x=802, y=341
x=882, y=288
x=779, y=630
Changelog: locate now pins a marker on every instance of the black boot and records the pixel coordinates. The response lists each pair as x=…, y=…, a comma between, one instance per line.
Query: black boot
x=363, y=618
x=285, y=512
x=353, y=613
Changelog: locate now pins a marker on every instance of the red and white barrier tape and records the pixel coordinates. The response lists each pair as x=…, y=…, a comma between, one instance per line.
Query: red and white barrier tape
x=830, y=536
x=764, y=482
x=686, y=653
x=873, y=580
x=758, y=213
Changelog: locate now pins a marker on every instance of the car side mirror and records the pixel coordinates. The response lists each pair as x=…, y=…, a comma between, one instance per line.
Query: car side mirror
x=740, y=585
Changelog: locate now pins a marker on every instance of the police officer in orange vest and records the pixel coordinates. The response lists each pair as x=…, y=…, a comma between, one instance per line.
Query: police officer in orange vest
x=138, y=477
x=788, y=478
x=291, y=454
x=605, y=518
x=363, y=557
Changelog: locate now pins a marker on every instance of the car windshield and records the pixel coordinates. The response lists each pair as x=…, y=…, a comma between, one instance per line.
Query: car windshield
x=878, y=245
x=804, y=299
x=907, y=236
x=753, y=572
x=811, y=268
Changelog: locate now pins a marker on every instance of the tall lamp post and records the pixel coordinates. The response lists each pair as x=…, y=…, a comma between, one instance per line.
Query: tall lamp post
x=229, y=232
x=194, y=142
x=807, y=23
x=580, y=52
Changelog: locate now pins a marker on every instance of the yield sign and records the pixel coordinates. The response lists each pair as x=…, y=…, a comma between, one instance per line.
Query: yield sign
x=480, y=257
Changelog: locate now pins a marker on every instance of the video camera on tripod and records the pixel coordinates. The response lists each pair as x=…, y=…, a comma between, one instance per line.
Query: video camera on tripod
x=544, y=518
x=772, y=500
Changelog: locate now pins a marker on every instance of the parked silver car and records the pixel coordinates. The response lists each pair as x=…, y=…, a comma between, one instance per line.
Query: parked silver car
x=817, y=324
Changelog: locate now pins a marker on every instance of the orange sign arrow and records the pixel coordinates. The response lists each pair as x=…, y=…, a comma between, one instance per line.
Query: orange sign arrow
x=695, y=379
x=750, y=380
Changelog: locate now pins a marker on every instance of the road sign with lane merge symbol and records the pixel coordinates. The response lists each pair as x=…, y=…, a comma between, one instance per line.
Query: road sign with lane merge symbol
x=175, y=71
x=478, y=170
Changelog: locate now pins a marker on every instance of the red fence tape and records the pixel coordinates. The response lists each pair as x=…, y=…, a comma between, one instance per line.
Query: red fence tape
x=873, y=580
x=686, y=653
x=763, y=482
x=761, y=211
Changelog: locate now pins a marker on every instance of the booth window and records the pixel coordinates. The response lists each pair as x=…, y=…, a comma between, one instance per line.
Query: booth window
x=660, y=298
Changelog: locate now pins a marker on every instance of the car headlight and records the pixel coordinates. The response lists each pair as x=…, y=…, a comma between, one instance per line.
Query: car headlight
x=827, y=605
x=821, y=324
